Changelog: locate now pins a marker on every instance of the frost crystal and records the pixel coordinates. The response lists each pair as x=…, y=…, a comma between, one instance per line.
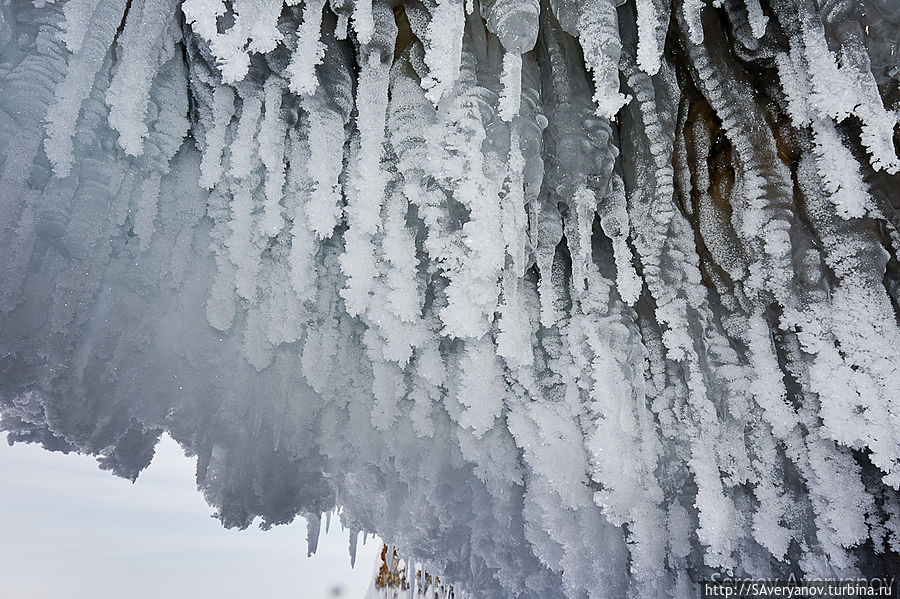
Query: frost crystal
x=566, y=298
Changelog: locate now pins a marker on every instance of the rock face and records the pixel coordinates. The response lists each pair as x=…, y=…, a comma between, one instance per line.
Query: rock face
x=570, y=298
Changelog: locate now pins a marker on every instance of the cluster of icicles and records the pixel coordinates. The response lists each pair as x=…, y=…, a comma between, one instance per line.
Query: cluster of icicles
x=565, y=298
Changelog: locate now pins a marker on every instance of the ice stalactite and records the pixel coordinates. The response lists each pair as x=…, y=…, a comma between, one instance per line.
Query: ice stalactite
x=592, y=298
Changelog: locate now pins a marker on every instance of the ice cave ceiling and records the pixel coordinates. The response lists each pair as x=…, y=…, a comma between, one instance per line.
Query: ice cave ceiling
x=570, y=298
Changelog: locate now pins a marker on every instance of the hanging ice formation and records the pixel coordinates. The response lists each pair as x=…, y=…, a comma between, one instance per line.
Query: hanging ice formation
x=578, y=298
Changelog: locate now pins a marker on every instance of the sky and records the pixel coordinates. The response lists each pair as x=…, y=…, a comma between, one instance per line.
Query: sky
x=69, y=530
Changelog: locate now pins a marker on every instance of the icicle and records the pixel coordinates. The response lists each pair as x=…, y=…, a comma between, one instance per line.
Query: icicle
x=83, y=65
x=840, y=172
x=402, y=304
x=241, y=247
x=598, y=33
x=443, y=48
x=649, y=49
x=823, y=69
x=510, y=97
x=220, y=307
x=615, y=225
x=310, y=50
x=254, y=29
x=364, y=205
x=146, y=209
x=142, y=54
x=243, y=149
x=363, y=21
x=691, y=10
x=411, y=577
x=796, y=86
x=354, y=536
x=515, y=22
x=390, y=551
x=222, y=113
x=550, y=233
x=326, y=135
x=513, y=206
x=584, y=204
x=78, y=15
x=271, y=138
x=758, y=20
x=481, y=391
x=202, y=16
x=303, y=244
x=313, y=524
x=262, y=32
x=513, y=341
x=367, y=184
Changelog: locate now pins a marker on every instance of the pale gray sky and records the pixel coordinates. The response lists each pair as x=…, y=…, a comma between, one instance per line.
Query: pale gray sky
x=71, y=531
